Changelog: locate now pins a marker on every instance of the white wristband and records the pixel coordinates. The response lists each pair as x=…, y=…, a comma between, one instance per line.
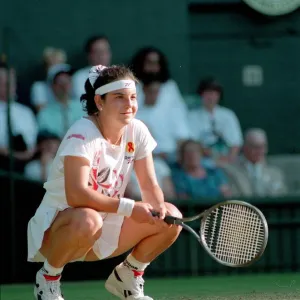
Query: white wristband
x=125, y=207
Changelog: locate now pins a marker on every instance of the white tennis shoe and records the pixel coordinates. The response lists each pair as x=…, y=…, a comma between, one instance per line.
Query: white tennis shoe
x=47, y=289
x=123, y=284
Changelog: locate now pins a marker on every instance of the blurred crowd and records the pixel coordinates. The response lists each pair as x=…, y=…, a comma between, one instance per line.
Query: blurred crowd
x=201, y=152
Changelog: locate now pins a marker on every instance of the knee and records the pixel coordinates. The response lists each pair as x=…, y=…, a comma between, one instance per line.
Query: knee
x=86, y=224
x=174, y=211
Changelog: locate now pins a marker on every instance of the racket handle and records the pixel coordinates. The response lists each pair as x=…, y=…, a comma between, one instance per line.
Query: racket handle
x=167, y=219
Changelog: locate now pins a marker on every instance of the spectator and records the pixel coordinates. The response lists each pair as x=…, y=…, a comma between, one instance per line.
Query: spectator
x=168, y=126
x=98, y=52
x=250, y=175
x=23, y=123
x=41, y=92
x=193, y=179
x=151, y=61
x=60, y=114
x=215, y=127
x=163, y=174
x=47, y=146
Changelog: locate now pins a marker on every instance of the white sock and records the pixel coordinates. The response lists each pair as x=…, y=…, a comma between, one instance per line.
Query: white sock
x=51, y=271
x=134, y=264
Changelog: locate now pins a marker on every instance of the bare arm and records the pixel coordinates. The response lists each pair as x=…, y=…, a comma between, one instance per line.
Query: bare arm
x=78, y=193
x=151, y=192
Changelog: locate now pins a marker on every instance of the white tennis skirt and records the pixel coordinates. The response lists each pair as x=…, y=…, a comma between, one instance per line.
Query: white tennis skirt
x=45, y=215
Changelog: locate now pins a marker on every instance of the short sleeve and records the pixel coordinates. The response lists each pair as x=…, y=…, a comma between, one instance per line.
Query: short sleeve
x=77, y=144
x=144, y=141
x=232, y=130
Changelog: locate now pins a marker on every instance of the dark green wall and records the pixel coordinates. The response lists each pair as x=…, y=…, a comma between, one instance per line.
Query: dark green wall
x=222, y=42
x=129, y=25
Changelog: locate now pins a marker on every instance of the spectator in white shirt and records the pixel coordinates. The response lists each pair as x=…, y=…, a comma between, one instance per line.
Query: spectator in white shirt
x=151, y=61
x=59, y=115
x=217, y=128
x=98, y=52
x=23, y=124
x=41, y=93
x=168, y=125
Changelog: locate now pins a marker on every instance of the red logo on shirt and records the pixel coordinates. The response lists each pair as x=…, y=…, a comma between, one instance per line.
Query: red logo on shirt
x=130, y=147
x=76, y=136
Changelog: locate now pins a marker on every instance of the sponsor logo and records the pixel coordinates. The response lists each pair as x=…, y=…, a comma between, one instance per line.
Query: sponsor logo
x=129, y=159
x=76, y=136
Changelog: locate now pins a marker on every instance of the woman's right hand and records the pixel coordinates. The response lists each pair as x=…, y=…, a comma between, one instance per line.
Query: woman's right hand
x=141, y=213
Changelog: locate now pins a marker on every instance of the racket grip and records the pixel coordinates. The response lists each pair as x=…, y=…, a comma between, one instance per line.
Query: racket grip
x=167, y=219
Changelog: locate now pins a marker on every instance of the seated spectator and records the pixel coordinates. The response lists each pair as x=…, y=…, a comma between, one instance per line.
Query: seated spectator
x=163, y=174
x=98, y=52
x=47, y=146
x=41, y=92
x=59, y=115
x=23, y=124
x=194, y=179
x=217, y=128
x=151, y=61
x=168, y=125
x=250, y=175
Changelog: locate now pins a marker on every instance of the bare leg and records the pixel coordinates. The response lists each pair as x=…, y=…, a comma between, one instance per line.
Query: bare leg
x=71, y=235
x=147, y=240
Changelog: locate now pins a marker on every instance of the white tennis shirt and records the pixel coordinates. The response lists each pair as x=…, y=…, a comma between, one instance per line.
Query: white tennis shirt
x=111, y=166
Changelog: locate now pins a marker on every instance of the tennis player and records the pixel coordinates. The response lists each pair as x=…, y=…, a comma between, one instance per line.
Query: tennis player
x=83, y=216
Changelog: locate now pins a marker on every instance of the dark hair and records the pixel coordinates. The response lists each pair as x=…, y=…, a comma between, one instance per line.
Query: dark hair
x=138, y=61
x=108, y=75
x=210, y=84
x=150, y=79
x=3, y=65
x=183, y=146
x=89, y=43
x=46, y=135
x=70, y=73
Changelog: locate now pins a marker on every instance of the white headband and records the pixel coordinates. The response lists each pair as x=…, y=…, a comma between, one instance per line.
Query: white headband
x=115, y=85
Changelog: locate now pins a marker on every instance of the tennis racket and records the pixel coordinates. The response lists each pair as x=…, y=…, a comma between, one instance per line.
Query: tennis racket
x=234, y=233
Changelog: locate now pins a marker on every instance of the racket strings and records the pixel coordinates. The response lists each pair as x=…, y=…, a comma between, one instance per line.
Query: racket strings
x=234, y=233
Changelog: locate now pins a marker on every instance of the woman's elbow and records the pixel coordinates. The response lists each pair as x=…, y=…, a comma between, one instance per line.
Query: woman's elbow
x=74, y=197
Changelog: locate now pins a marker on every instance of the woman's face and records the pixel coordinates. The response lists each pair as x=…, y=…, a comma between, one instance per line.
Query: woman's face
x=152, y=64
x=210, y=98
x=119, y=106
x=192, y=155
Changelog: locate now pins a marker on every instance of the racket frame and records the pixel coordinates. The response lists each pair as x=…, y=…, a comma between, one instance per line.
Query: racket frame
x=201, y=237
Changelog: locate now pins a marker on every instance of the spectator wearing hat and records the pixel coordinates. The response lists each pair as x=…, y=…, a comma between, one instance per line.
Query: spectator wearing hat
x=217, y=128
x=98, y=52
x=60, y=114
x=47, y=146
x=41, y=93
